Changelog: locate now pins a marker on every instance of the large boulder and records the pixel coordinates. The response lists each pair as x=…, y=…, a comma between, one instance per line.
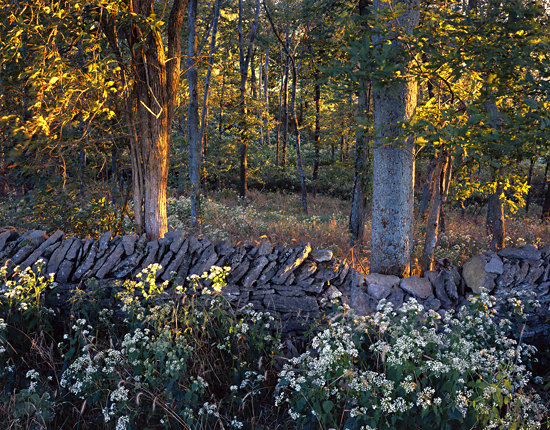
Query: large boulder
x=476, y=277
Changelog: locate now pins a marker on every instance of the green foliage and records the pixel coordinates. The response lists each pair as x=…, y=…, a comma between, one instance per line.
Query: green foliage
x=410, y=369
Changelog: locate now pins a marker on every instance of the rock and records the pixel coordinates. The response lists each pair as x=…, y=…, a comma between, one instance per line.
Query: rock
x=288, y=290
x=379, y=286
x=294, y=305
x=176, y=262
x=129, y=242
x=87, y=264
x=83, y=251
x=535, y=272
x=37, y=253
x=527, y=252
x=418, y=287
x=314, y=288
x=103, y=244
x=396, y=297
x=255, y=270
x=164, y=263
x=495, y=265
x=238, y=272
x=332, y=293
x=268, y=273
x=293, y=261
x=432, y=303
x=476, y=277
x=150, y=255
x=354, y=279
x=224, y=248
x=5, y=236
x=440, y=286
x=321, y=255
x=64, y=272
x=508, y=276
x=521, y=274
x=264, y=248
x=342, y=273
x=27, y=246
x=306, y=270
x=362, y=303
x=431, y=275
x=50, y=250
x=205, y=262
x=111, y=261
x=236, y=257
x=59, y=255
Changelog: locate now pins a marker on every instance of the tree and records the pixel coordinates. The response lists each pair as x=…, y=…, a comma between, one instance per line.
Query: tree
x=393, y=155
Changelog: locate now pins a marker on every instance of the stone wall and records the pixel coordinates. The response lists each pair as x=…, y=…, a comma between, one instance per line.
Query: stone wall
x=289, y=283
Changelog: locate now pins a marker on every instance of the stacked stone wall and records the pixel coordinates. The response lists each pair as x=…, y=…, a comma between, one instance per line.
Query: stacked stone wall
x=290, y=283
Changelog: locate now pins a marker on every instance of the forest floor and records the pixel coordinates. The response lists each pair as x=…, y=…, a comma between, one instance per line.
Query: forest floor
x=279, y=217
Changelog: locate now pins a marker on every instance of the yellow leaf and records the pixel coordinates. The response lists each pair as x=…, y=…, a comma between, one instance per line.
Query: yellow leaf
x=53, y=80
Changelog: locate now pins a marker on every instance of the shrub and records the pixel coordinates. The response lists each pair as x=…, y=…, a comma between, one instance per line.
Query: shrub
x=410, y=369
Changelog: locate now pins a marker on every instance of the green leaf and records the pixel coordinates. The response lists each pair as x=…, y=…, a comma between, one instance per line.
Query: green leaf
x=327, y=406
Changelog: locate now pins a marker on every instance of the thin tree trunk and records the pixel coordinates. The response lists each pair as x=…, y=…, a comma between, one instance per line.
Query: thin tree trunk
x=426, y=192
x=285, y=112
x=393, y=171
x=529, y=182
x=438, y=192
x=359, y=195
x=317, y=133
x=495, y=219
x=244, y=63
x=266, y=96
x=195, y=143
x=260, y=96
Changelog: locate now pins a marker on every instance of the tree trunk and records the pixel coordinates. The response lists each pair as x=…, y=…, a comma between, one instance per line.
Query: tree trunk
x=260, y=96
x=298, y=140
x=439, y=187
x=244, y=63
x=359, y=195
x=529, y=182
x=195, y=142
x=393, y=172
x=317, y=133
x=426, y=192
x=495, y=219
x=546, y=205
x=266, y=96
x=285, y=112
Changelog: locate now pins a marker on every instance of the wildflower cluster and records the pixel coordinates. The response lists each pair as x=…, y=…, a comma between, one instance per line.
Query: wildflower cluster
x=415, y=368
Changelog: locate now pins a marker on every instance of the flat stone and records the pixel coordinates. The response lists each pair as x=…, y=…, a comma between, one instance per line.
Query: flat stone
x=432, y=303
x=342, y=273
x=321, y=255
x=64, y=272
x=288, y=290
x=205, y=262
x=164, y=263
x=268, y=273
x=87, y=264
x=431, y=275
x=111, y=261
x=4, y=237
x=295, y=305
x=238, y=272
x=306, y=270
x=362, y=303
x=264, y=248
x=440, y=286
x=332, y=293
x=84, y=250
x=194, y=245
x=103, y=244
x=508, y=276
x=28, y=245
x=535, y=272
x=521, y=274
x=417, y=287
x=129, y=243
x=475, y=276
x=495, y=265
x=354, y=279
x=224, y=248
x=379, y=286
x=50, y=250
x=37, y=253
x=255, y=270
x=294, y=260
x=526, y=252
x=59, y=255
x=151, y=250
x=314, y=288
x=176, y=262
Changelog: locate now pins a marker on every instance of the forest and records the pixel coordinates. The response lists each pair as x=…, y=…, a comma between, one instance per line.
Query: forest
x=400, y=135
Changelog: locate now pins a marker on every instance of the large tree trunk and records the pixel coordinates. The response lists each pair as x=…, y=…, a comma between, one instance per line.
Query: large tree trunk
x=393, y=172
x=195, y=142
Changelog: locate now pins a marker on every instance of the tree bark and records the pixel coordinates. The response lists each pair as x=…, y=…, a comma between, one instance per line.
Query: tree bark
x=244, y=63
x=495, y=219
x=393, y=172
x=266, y=96
x=359, y=195
x=317, y=133
x=195, y=142
x=285, y=112
x=529, y=182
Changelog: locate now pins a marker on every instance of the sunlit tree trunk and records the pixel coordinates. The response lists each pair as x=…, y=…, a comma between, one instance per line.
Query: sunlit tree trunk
x=317, y=132
x=495, y=219
x=393, y=164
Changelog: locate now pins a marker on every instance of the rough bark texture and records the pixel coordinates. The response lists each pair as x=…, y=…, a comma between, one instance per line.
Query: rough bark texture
x=359, y=196
x=495, y=219
x=195, y=142
x=393, y=171
x=317, y=132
